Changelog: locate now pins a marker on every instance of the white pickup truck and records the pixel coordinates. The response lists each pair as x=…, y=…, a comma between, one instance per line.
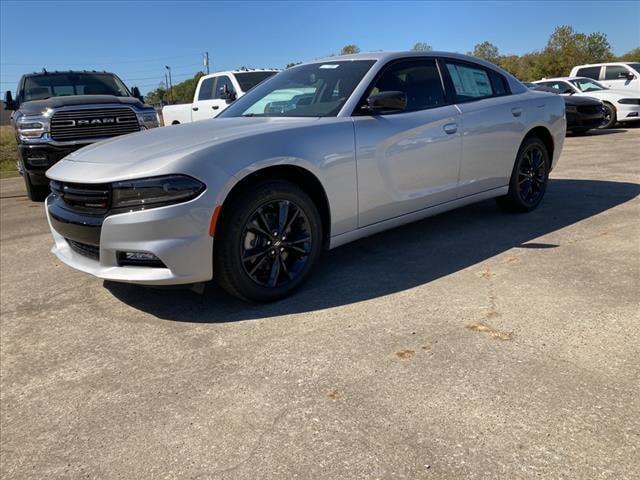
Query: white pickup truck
x=213, y=94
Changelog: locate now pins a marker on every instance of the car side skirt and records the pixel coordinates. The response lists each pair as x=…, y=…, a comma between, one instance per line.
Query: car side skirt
x=353, y=235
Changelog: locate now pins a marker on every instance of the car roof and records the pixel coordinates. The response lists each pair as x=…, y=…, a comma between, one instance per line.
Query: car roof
x=601, y=64
x=386, y=56
x=242, y=70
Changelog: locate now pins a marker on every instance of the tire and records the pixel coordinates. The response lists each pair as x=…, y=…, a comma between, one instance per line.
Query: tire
x=529, y=177
x=36, y=193
x=609, y=116
x=247, y=256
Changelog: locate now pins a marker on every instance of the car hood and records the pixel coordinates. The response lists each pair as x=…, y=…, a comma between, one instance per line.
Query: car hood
x=40, y=106
x=609, y=94
x=576, y=100
x=153, y=151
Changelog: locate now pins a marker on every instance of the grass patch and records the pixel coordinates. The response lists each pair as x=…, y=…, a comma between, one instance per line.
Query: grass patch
x=8, y=152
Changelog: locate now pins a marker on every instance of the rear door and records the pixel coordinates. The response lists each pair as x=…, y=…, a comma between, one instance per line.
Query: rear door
x=407, y=160
x=492, y=124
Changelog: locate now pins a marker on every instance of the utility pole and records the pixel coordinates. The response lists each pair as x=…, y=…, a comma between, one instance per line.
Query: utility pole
x=166, y=83
x=170, y=82
x=206, y=61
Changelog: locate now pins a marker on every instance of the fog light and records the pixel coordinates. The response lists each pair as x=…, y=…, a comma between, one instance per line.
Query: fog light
x=38, y=161
x=141, y=259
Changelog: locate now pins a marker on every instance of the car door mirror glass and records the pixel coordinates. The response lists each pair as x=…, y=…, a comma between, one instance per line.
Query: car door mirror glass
x=8, y=101
x=391, y=101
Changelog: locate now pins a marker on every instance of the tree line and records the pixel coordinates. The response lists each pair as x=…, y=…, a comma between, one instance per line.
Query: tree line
x=565, y=49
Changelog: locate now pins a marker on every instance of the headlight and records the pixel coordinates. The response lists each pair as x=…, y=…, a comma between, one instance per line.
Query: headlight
x=148, y=119
x=571, y=109
x=30, y=128
x=630, y=101
x=154, y=192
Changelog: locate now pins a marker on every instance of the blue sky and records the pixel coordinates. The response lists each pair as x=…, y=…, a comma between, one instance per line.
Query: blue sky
x=136, y=39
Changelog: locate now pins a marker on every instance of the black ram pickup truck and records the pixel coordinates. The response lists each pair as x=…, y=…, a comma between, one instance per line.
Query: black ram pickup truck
x=55, y=113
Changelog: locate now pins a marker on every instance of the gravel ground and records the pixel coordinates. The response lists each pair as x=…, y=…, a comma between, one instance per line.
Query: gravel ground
x=472, y=345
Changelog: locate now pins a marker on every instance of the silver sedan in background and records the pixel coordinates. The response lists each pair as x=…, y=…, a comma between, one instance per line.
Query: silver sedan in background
x=317, y=156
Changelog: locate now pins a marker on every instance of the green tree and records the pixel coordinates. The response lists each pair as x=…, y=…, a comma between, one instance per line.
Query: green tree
x=349, y=49
x=630, y=56
x=422, y=47
x=567, y=48
x=487, y=51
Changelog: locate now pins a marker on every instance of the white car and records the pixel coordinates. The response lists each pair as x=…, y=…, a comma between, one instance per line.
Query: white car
x=213, y=94
x=616, y=75
x=319, y=155
x=619, y=105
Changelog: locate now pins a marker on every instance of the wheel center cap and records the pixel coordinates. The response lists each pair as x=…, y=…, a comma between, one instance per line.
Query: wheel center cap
x=277, y=243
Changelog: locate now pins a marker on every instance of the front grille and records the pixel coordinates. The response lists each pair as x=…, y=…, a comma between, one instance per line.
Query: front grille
x=83, y=197
x=81, y=124
x=84, y=249
x=589, y=109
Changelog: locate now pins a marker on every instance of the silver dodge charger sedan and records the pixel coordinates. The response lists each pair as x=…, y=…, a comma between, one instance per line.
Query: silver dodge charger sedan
x=312, y=158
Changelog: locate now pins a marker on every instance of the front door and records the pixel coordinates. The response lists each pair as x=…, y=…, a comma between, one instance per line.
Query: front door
x=407, y=160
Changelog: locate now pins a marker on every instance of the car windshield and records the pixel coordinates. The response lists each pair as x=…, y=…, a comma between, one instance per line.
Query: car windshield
x=314, y=90
x=587, y=85
x=248, y=80
x=39, y=87
x=635, y=66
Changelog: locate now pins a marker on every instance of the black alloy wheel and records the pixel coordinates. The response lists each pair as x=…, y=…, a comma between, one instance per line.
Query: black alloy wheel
x=609, y=119
x=532, y=175
x=529, y=177
x=276, y=243
x=268, y=238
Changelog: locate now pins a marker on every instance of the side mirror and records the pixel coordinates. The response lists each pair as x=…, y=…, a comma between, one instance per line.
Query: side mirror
x=228, y=94
x=569, y=91
x=9, y=104
x=628, y=76
x=135, y=91
x=391, y=101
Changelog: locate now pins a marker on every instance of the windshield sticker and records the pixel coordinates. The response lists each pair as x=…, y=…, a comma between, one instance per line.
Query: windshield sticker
x=330, y=66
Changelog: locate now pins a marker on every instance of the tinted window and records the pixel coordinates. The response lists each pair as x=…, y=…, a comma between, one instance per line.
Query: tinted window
x=470, y=83
x=248, y=80
x=612, y=72
x=206, y=89
x=222, y=82
x=589, y=72
x=419, y=80
x=635, y=66
x=560, y=86
x=499, y=84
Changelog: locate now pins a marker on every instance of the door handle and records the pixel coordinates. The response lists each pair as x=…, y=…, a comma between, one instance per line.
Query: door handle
x=450, y=128
x=215, y=107
x=516, y=112
x=195, y=109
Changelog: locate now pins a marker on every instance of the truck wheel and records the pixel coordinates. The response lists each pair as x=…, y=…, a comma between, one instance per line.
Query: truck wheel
x=529, y=177
x=36, y=193
x=267, y=242
x=609, y=116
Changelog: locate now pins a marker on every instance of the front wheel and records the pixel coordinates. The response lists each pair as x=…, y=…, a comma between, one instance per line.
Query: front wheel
x=269, y=239
x=529, y=177
x=609, y=117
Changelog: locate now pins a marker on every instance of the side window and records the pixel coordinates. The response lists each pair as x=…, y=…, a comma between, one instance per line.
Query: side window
x=418, y=79
x=499, y=84
x=206, y=89
x=470, y=83
x=589, y=72
x=220, y=84
x=613, y=72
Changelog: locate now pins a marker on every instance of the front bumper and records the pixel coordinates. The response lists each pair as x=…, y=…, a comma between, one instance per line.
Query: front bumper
x=178, y=235
x=37, y=158
x=627, y=112
x=582, y=120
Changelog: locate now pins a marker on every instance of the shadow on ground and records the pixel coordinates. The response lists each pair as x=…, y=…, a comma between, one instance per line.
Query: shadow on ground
x=398, y=259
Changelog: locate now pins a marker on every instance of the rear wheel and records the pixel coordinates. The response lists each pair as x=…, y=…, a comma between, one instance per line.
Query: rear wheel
x=609, y=116
x=269, y=239
x=36, y=193
x=529, y=177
